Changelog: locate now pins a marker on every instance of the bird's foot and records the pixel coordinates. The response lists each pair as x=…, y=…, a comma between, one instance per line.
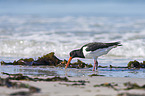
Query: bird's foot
x=94, y=69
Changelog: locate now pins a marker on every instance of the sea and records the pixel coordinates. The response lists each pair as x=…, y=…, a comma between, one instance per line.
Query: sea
x=33, y=28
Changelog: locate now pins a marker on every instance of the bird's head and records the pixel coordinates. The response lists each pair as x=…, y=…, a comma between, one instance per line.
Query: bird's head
x=73, y=54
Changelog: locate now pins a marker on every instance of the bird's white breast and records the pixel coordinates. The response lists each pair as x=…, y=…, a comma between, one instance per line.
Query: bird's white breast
x=96, y=53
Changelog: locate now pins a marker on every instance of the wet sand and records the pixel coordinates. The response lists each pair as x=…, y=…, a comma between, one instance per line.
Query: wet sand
x=74, y=89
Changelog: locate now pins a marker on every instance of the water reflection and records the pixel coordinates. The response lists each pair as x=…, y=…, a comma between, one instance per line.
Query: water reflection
x=56, y=71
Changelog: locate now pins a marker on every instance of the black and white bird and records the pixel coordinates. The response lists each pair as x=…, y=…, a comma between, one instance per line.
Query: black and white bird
x=92, y=51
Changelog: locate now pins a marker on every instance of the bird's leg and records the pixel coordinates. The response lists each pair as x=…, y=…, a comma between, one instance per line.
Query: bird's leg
x=95, y=65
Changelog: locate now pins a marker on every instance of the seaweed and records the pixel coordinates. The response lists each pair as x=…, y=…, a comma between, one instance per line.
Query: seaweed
x=48, y=59
x=4, y=63
x=133, y=64
x=78, y=64
x=117, y=66
x=109, y=85
x=51, y=60
x=102, y=66
x=21, y=77
x=8, y=83
x=130, y=86
x=142, y=64
x=55, y=78
x=76, y=83
x=136, y=64
x=95, y=75
x=81, y=81
x=130, y=94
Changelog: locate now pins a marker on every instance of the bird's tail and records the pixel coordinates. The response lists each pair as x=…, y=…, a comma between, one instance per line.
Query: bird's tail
x=116, y=43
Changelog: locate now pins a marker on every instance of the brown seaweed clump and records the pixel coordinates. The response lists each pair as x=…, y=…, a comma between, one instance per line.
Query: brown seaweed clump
x=127, y=85
x=78, y=64
x=130, y=94
x=48, y=59
x=95, y=75
x=136, y=64
x=27, y=78
x=109, y=85
x=130, y=86
x=6, y=82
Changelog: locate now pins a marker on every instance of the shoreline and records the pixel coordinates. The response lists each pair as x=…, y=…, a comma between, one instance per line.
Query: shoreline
x=61, y=88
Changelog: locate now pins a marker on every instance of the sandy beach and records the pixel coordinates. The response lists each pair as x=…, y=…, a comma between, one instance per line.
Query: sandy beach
x=61, y=88
x=37, y=37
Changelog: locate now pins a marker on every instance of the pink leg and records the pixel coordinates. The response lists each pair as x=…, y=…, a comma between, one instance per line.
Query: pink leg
x=95, y=65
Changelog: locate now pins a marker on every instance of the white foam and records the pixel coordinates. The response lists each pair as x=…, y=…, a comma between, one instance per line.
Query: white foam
x=35, y=36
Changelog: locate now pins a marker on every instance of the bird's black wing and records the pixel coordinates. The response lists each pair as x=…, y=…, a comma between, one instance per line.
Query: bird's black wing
x=98, y=45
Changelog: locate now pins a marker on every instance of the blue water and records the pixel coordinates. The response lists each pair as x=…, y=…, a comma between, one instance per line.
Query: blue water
x=73, y=7
x=32, y=28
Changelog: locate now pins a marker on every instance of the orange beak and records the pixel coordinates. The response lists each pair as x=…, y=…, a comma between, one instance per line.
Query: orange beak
x=68, y=62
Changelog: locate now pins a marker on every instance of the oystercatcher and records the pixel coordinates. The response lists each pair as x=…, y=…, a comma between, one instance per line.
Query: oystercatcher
x=92, y=51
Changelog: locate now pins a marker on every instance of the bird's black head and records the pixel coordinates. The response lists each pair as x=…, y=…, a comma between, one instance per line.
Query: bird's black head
x=76, y=53
x=73, y=54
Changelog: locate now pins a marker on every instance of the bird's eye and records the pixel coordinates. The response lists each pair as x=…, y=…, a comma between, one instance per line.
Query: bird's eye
x=71, y=54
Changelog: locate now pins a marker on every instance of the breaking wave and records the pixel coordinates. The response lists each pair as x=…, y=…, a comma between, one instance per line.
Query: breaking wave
x=34, y=36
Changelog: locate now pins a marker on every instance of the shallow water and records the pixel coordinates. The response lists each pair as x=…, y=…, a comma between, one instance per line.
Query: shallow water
x=33, y=28
x=45, y=71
